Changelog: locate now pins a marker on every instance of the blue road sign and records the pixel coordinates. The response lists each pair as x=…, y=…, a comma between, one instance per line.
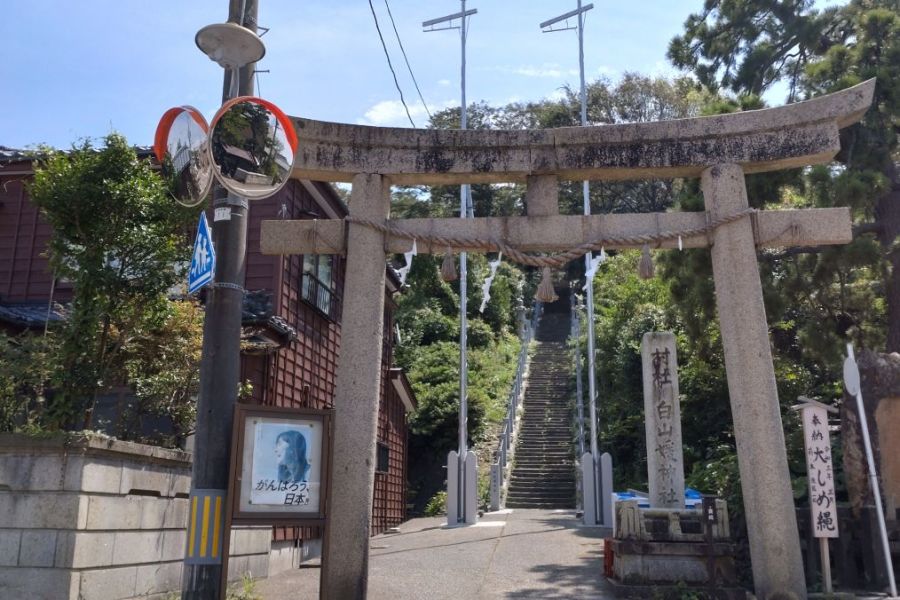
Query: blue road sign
x=203, y=261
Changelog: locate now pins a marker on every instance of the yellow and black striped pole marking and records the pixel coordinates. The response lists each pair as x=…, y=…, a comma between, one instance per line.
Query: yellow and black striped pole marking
x=206, y=520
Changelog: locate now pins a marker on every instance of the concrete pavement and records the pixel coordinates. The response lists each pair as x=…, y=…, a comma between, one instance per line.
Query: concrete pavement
x=519, y=554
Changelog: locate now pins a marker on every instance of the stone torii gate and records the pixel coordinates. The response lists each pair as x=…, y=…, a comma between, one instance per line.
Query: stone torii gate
x=718, y=149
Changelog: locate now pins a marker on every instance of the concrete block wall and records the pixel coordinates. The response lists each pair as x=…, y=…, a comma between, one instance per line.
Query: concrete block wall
x=89, y=518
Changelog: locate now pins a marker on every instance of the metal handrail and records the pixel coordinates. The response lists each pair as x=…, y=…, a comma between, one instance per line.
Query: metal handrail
x=502, y=463
x=578, y=415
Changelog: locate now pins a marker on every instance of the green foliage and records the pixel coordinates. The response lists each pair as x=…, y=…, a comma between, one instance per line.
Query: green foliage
x=25, y=363
x=245, y=589
x=625, y=307
x=118, y=238
x=162, y=365
x=828, y=296
x=437, y=505
x=750, y=45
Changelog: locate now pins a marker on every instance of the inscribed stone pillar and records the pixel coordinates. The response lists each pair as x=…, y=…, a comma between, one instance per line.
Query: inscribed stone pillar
x=762, y=458
x=357, y=389
x=662, y=420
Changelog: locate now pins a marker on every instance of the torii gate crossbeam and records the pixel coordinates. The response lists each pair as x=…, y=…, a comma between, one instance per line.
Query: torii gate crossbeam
x=720, y=150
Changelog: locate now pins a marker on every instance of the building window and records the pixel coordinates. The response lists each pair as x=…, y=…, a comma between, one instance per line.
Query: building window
x=384, y=455
x=317, y=286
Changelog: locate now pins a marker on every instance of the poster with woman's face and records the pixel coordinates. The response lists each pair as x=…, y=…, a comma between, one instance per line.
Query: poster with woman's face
x=285, y=465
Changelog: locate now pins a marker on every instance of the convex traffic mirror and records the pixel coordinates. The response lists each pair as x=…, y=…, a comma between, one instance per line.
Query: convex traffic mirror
x=252, y=146
x=180, y=146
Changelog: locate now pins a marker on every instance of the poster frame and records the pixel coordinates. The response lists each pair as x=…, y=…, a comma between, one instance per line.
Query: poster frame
x=241, y=474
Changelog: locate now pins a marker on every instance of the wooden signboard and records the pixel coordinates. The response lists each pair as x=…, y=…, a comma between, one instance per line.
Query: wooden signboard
x=819, y=470
x=280, y=465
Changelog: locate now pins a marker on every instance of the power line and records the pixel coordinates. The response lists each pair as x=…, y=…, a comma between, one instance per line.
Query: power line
x=390, y=66
x=409, y=68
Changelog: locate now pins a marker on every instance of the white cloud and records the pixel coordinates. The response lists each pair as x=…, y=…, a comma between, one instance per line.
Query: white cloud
x=444, y=82
x=390, y=113
x=557, y=95
x=548, y=70
x=663, y=68
x=606, y=70
x=545, y=70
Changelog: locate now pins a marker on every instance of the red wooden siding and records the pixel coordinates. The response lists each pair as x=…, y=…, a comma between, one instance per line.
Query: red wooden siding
x=301, y=374
x=24, y=269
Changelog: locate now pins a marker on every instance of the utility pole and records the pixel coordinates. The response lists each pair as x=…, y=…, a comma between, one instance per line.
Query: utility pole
x=206, y=578
x=465, y=498
x=599, y=495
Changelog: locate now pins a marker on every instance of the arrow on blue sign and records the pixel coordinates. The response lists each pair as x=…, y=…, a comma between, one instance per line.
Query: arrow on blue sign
x=203, y=261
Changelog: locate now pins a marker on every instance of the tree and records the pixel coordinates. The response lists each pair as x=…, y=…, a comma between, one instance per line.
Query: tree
x=747, y=47
x=119, y=238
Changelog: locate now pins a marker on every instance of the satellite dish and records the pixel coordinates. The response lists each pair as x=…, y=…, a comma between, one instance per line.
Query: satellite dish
x=252, y=146
x=851, y=376
x=180, y=146
x=230, y=45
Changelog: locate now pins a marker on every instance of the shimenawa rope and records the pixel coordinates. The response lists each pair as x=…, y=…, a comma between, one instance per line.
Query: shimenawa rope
x=553, y=260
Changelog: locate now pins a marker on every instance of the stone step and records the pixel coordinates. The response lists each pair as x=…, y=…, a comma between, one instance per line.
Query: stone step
x=554, y=480
x=540, y=456
x=543, y=474
x=533, y=490
x=544, y=505
x=540, y=441
x=538, y=471
x=554, y=431
x=567, y=497
x=541, y=489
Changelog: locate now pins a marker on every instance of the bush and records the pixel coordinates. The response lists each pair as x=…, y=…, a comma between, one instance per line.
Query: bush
x=437, y=505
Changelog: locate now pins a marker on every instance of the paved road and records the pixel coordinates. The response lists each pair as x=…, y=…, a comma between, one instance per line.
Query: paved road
x=536, y=554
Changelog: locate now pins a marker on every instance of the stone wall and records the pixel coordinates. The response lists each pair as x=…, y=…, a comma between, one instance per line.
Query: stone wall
x=89, y=518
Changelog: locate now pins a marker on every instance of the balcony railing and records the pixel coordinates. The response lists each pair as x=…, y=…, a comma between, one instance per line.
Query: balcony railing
x=320, y=295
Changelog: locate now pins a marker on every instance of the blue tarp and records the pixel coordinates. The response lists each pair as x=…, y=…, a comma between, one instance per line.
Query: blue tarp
x=692, y=498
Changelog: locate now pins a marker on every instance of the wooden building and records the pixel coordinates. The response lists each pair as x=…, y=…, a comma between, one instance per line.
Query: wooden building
x=292, y=330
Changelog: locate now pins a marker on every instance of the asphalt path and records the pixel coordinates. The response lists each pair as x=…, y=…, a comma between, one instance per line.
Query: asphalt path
x=533, y=554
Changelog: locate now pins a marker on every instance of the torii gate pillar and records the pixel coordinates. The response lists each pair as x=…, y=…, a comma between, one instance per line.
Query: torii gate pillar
x=358, y=379
x=765, y=479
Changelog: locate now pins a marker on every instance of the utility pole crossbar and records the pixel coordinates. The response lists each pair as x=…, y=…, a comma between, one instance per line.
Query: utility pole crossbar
x=565, y=17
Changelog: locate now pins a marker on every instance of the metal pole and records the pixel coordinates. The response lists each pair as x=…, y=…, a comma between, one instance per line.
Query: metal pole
x=463, y=300
x=579, y=386
x=220, y=360
x=589, y=304
x=873, y=480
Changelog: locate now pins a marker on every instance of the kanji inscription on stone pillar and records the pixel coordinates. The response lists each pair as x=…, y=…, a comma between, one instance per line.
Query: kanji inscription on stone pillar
x=662, y=420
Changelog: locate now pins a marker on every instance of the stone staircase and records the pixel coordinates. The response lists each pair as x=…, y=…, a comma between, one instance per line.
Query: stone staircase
x=543, y=474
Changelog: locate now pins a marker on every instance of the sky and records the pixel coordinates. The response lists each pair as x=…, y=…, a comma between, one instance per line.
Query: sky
x=84, y=69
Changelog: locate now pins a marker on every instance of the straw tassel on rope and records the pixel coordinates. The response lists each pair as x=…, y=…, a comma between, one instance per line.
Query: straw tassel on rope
x=645, y=268
x=545, y=292
x=448, y=267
